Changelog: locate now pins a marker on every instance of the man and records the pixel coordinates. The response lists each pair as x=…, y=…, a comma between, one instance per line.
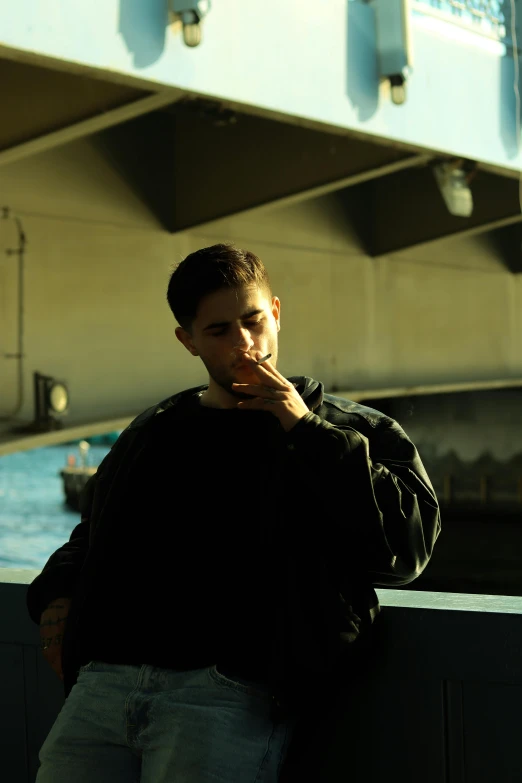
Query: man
x=226, y=555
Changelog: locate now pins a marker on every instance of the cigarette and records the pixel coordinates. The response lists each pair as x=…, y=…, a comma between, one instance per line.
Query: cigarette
x=264, y=358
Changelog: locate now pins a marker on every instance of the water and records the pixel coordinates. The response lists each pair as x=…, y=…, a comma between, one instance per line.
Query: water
x=34, y=520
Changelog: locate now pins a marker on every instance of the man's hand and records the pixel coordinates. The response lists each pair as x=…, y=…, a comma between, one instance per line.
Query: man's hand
x=52, y=626
x=274, y=393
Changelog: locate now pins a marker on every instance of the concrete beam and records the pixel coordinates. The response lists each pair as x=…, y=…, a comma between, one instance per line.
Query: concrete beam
x=407, y=210
x=11, y=442
x=196, y=163
x=359, y=395
x=88, y=127
x=410, y=161
x=508, y=244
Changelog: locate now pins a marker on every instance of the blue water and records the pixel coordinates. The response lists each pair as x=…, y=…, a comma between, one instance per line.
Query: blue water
x=34, y=520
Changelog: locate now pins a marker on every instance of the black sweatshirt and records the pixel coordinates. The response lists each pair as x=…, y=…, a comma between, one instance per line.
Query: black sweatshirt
x=193, y=591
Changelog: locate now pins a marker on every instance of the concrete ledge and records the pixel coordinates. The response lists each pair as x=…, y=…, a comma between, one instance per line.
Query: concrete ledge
x=459, y=602
x=406, y=599
x=11, y=442
x=20, y=576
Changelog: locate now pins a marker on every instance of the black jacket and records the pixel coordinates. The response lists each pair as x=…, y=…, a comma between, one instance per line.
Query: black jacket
x=367, y=516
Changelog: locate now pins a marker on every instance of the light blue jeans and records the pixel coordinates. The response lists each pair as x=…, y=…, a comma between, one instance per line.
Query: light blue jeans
x=143, y=724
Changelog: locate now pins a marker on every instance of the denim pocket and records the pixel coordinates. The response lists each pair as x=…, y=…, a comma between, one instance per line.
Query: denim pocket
x=88, y=667
x=231, y=680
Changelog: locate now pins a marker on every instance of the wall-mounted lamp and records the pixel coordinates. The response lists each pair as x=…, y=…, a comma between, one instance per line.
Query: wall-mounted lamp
x=190, y=13
x=51, y=403
x=394, y=47
x=453, y=179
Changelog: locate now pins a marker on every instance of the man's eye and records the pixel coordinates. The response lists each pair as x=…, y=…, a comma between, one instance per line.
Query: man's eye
x=247, y=323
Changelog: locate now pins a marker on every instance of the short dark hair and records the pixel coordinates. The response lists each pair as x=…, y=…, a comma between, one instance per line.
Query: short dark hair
x=208, y=270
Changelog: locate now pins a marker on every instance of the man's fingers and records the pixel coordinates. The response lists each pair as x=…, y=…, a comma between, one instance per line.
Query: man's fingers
x=268, y=372
x=258, y=391
x=267, y=367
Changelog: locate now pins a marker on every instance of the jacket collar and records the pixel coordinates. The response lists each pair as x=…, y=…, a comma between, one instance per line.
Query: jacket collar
x=311, y=391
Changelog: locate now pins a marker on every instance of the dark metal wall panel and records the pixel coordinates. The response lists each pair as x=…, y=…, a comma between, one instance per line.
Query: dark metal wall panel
x=14, y=750
x=454, y=750
x=31, y=695
x=389, y=731
x=492, y=717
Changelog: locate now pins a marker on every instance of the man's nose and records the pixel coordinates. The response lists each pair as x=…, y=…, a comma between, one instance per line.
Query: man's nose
x=244, y=340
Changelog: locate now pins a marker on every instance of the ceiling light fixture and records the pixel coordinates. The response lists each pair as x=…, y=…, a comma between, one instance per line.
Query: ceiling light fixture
x=453, y=179
x=190, y=13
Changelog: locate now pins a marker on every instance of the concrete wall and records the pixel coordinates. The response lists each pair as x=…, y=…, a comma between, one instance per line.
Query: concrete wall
x=97, y=266
x=469, y=424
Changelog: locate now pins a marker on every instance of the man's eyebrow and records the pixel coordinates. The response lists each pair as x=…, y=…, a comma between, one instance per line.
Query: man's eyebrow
x=244, y=317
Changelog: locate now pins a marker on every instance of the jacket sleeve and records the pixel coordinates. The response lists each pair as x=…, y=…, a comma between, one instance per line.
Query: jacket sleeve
x=58, y=577
x=378, y=499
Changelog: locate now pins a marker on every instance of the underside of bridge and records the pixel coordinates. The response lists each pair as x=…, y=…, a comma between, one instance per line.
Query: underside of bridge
x=193, y=160
x=189, y=161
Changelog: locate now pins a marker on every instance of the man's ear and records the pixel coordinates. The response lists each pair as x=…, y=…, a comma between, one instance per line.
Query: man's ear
x=276, y=311
x=186, y=340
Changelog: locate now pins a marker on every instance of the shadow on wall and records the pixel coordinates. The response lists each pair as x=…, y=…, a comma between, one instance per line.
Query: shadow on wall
x=508, y=108
x=362, y=73
x=143, y=27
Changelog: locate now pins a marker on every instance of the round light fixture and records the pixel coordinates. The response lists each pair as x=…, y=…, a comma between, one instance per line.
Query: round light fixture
x=58, y=397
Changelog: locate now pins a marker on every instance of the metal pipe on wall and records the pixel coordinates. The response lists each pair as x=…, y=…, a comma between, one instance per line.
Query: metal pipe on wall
x=19, y=252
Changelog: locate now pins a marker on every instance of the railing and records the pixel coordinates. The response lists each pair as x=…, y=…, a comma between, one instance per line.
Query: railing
x=490, y=17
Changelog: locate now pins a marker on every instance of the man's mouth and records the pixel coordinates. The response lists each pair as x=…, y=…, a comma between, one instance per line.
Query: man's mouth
x=243, y=364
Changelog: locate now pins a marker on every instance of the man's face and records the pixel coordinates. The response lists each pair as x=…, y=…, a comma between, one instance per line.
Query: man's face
x=231, y=323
